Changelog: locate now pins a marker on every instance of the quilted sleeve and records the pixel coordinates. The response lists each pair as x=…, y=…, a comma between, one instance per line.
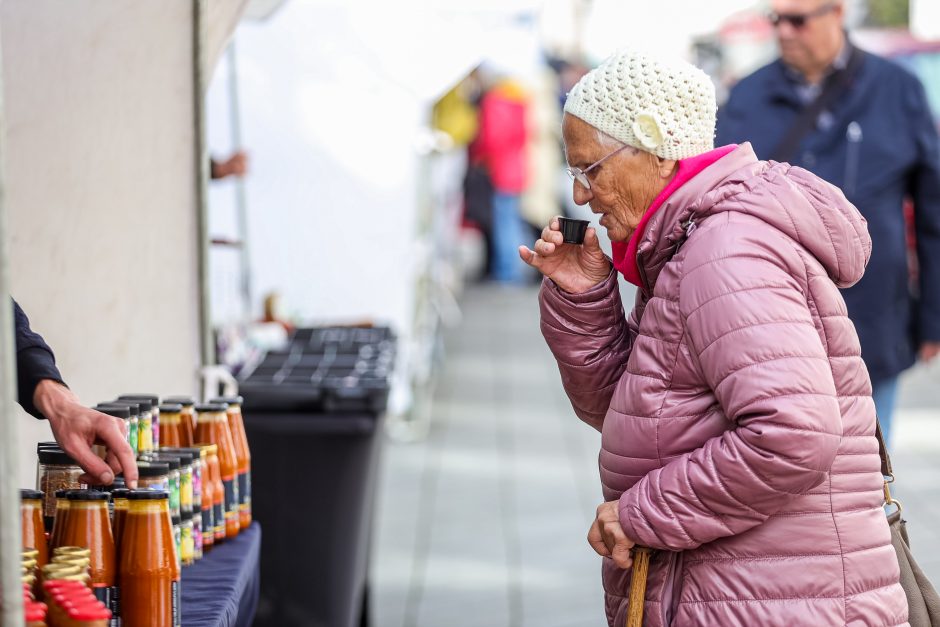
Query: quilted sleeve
x=591, y=341
x=750, y=328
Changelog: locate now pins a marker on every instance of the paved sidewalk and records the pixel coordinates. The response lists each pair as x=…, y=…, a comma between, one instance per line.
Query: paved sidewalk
x=483, y=524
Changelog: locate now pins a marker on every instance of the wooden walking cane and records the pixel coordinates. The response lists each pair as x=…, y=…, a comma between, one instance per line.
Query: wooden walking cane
x=641, y=569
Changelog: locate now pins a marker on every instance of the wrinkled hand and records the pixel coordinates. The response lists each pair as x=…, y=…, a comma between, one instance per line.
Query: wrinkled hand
x=606, y=535
x=929, y=351
x=77, y=428
x=574, y=268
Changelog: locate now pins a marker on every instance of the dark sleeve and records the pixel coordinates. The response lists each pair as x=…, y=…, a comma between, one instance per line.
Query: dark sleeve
x=727, y=128
x=34, y=361
x=925, y=192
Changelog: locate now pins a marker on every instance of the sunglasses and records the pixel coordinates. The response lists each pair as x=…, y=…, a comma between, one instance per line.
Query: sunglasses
x=799, y=20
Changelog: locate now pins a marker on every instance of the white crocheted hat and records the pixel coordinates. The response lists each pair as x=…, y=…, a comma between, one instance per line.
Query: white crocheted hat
x=663, y=106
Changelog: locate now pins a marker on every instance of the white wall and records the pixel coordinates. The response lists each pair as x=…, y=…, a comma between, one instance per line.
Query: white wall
x=100, y=188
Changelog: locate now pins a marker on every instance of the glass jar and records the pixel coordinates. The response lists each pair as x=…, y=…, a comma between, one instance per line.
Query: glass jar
x=187, y=419
x=153, y=475
x=145, y=425
x=174, y=477
x=189, y=467
x=212, y=428
x=134, y=425
x=154, y=402
x=59, y=520
x=122, y=412
x=242, y=454
x=197, y=533
x=34, y=532
x=218, y=497
x=171, y=426
x=187, y=544
x=56, y=471
x=90, y=526
x=178, y=539
x=119, y=516
x=150, y=575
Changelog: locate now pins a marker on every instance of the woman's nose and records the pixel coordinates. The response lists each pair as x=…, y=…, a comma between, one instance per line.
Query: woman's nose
x=581, y=194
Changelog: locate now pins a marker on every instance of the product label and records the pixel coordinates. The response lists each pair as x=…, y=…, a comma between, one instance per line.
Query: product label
x=244, y=492
x=208, y=523
x=218, y=519
x=156, y=486
x=231, y=498
x=145, y=435
x=102, y=593
x=197, y=484
x=132, y=436
x=175, y=602
x=186, y=491
x=174, y=495
x=197, y=538
x=155, y=427
x=115, y=607
x=187, y=545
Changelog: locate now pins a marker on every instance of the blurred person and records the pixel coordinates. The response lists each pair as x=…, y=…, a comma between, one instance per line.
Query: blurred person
x=736, y=419
x=235, y=165
x=500, y=148
x=42, y=392
x=862, y=123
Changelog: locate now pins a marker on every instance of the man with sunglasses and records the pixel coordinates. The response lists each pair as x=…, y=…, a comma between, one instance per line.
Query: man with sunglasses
x=862, y=123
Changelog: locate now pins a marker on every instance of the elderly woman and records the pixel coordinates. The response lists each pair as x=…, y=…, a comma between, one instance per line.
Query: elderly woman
x=735, y=411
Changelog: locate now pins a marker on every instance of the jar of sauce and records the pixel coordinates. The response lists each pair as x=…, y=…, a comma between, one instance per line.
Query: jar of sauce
x=89, y=525
x=149, y=423
x=150, y=575
x=34, y=531
x=171, y=425
x=242, y=454
x=187, y=419
x=212, y=427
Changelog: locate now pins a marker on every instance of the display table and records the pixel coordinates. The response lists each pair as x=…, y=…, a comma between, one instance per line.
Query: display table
x=221, y=589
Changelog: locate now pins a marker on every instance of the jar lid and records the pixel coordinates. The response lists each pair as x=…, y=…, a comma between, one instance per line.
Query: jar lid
x=150, y=468
x=146, y=402
x=228, y=400
x=148, y=495
x=134, y=406
x=168, y=458
x=211, y=407
x=171, y=408
x=63, y=494
x=184, y=455
x=56, y=457
x=119, y=493
x=26, y=494
x=175, y=520
x=119, y=411
x=43, y=445
x=185, y=401
x=187, y=516
x=87, y=495
x=95, y=611
x=192, y=452
x=153, y=398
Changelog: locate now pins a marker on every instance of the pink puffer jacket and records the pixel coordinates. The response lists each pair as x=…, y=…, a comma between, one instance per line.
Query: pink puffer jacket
x=736, y=413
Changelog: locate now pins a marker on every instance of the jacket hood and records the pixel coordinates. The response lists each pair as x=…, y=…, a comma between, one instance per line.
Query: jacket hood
x=812, y=212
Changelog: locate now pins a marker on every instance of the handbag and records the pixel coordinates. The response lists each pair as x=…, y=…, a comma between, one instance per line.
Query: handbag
x=923, y=602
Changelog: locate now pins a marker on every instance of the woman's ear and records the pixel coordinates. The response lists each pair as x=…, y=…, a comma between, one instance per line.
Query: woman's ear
x=666, y=167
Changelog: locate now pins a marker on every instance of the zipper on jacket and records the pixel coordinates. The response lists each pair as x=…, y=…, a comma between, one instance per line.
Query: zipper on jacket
x=853, y=137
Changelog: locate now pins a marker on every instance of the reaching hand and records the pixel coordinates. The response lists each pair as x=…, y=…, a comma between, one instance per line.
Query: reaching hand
x=77, y=428
x=607, y=537
x=575, y=268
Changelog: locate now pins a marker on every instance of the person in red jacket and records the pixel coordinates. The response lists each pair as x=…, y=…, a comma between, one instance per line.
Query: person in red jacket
x=500, y=148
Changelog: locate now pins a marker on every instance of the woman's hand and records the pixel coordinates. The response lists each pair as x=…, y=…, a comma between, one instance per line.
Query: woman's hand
x=574, y=268
x=606, y=535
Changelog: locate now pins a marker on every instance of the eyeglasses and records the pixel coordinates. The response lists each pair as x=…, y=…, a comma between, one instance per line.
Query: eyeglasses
x=799, y=20
x=580, y=175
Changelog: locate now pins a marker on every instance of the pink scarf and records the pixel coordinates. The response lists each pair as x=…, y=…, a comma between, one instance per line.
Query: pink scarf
x=625, y=252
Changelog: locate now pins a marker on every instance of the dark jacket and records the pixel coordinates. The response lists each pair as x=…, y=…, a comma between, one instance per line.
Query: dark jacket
x=879, y=144
x=34, y=361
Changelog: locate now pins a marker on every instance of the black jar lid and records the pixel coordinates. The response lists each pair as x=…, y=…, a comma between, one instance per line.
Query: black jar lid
x=185, y=456
x=120, y=493
x=62, y=494
x=27, y=494
x=151, y=469
x=118, y=411
x=193, y=453
x=147, y=495
x=171, y=460
x=186, y=516
x=134, y=406
x=153, y=398
x=171, y=408
x=175, y=520
x=56, y=457
x=45, y=445
x=197, y=509
x=87, y=495
x=185, y=401
x=146, y=402
x=211, y=407
x=228, y=400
